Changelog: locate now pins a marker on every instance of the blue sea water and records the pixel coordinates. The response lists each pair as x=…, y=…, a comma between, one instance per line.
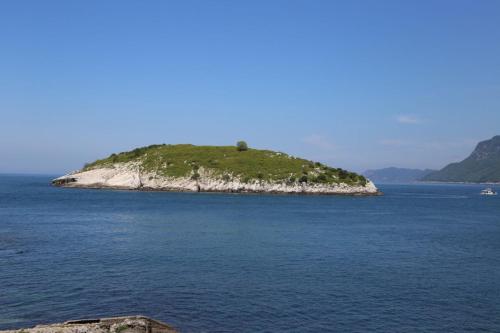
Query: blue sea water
x=421, y=258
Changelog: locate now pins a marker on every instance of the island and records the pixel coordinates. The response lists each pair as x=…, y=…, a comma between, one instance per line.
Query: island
x=237, y=169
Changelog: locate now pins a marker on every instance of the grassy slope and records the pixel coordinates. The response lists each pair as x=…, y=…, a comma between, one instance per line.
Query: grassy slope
x=227, y=162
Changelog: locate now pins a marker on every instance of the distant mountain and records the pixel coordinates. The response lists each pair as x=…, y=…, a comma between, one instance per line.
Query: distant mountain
x=482, y=166
x=396, y=175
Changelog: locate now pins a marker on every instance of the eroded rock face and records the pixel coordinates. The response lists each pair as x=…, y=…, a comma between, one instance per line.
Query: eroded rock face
x=134, y=324
x=129, y=176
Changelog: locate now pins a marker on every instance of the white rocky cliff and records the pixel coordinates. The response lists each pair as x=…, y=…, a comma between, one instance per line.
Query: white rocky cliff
x=129, y=176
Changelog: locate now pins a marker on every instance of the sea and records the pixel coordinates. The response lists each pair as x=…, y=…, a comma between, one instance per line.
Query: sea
x=420, y=258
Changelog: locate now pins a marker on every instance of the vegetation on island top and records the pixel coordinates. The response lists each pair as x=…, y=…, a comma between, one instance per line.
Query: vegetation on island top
x=229, y=162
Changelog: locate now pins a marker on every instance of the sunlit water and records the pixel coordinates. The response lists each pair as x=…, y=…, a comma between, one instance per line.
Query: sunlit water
x=420, y=258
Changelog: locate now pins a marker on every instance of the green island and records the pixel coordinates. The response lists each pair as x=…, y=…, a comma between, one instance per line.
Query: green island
x=234, y=169
x=227, y=162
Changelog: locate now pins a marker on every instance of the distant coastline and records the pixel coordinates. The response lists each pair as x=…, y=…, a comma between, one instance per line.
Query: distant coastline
x=394, y=175
x=482, y=166
x=458, y=183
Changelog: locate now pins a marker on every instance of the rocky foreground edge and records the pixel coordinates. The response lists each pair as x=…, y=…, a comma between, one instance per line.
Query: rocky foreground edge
x=131, y=324
x=130, y=177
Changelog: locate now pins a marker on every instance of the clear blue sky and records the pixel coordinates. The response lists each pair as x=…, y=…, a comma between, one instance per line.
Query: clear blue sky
x=356, y=84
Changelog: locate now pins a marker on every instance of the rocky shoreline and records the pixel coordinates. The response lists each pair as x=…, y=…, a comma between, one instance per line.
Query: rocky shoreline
x=129, y=177
x=130, y=324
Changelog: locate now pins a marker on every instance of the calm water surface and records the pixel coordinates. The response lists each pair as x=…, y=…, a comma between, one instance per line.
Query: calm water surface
x=421, y=258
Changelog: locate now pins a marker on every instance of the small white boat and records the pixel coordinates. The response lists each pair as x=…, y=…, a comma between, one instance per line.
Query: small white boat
x=488, y=191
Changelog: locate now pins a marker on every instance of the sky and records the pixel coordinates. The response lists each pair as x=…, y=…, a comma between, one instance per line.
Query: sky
x=354, y=84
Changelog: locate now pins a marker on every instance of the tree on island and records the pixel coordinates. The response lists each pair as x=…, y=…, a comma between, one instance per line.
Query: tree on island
x=241, y=146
